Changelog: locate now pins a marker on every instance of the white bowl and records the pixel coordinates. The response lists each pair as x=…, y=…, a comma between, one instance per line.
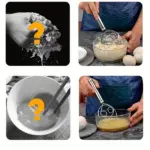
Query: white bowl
x=27, y=88
x=82, y=53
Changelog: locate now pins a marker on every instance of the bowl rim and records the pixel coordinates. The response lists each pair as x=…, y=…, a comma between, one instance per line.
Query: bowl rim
x=122, y=115
x=125, y=45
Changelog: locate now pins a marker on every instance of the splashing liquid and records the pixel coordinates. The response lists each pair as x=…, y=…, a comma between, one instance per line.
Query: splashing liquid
x=26, y=114
x=48, y=40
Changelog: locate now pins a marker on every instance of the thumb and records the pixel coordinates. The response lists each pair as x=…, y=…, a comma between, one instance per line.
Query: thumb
x=133, y=107
x=96, y=83
x=128, y=35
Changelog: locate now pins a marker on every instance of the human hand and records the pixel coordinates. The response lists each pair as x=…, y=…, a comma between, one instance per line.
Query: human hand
x=17, y=27
x=138, y=115
x=90, y=8
x=85, y=87
x=133, y=39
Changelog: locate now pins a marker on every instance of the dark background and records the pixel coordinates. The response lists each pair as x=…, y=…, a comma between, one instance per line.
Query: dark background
x=59, y=14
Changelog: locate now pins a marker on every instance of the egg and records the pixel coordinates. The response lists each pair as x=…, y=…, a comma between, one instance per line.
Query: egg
x=82, y=123
x=138, y=57
x=129, y=60
x=138, y=50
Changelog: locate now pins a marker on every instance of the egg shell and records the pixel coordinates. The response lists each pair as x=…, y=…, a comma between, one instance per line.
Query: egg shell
x=138, y=50
x=138, y=57
x=82, y=123
x=129, y=60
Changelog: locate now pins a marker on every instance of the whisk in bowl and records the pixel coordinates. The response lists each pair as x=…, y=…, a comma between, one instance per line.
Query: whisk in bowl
x=51, y=113
x=104, y=109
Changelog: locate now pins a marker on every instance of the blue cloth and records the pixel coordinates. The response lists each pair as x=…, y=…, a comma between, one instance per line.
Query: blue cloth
x=118, y=16
x=119, y=91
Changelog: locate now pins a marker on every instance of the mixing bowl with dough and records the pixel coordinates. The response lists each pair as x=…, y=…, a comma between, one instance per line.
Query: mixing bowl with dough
x=113, y=123
x=108, y=52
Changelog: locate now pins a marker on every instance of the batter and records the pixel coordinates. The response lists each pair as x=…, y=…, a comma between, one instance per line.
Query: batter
x=26, y=114
x=113, y=124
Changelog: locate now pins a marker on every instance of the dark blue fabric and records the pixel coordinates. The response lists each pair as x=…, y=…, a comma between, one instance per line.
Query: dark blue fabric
x=118, y=16
x=119, y=91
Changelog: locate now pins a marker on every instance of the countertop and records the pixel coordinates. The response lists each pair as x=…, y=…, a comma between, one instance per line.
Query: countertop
x=134, y=133
x=86, y=39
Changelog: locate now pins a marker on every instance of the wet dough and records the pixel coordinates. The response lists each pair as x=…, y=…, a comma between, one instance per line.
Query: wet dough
x=113, y=124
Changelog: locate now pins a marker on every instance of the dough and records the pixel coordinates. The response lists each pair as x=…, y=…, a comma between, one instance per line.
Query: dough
x=129, y=60
x=138, y=57
x=138, y=50
x=82, y=123
x=113, y=124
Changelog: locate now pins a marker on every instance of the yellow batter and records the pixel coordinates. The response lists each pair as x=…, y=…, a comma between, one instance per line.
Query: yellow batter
x=113, y=124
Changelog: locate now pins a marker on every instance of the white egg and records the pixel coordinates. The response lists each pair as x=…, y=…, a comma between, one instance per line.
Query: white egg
x=138, y=50
x=82, y=123
x=138, y=57
x=129, y=60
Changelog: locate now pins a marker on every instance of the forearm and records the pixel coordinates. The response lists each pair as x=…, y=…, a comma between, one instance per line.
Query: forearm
x=138, y=27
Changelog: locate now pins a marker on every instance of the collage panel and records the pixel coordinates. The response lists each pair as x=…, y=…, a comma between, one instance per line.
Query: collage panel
x=111, y=107
x=110, y=33
x=38, y=107
x=36, y=34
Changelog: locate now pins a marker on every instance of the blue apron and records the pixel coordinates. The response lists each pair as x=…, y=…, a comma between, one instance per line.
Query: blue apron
x=119, y=91
x=118, y=16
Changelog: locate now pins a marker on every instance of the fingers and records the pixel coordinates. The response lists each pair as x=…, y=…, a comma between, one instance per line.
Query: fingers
x=130, y=46
x=85, y=6
x=96, y=83
x=136, y=120
x=128, y=35
x=97, y=6
x=133, y=107
x=136, y=115
x=87, y=84
x=86, y=88
x=88, y=10
x=94, y=10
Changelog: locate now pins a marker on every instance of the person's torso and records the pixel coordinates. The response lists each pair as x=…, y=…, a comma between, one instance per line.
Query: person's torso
x=118, y=16
x=119, y=91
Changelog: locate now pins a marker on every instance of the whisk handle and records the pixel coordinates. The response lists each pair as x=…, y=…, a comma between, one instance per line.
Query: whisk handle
x=101, y=24
x=96, y=91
